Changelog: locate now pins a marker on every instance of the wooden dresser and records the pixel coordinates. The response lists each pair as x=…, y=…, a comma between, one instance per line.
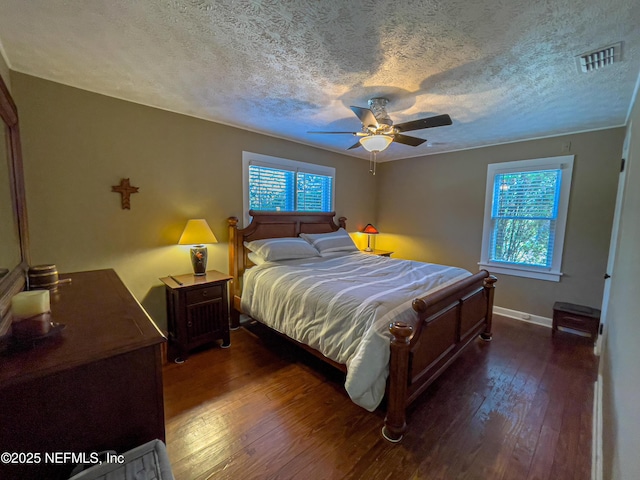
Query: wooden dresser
x=96, y=386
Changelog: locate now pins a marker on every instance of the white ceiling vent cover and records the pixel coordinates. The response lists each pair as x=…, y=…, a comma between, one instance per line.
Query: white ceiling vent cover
x=603, y=57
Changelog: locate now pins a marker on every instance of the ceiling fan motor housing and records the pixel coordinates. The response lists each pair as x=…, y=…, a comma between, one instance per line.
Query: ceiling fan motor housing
x=378, y=107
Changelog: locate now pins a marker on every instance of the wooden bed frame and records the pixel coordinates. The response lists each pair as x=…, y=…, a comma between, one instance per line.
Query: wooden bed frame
x=449, y=319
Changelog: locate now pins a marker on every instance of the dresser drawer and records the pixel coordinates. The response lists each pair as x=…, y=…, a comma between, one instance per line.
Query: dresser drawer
x=204, y=294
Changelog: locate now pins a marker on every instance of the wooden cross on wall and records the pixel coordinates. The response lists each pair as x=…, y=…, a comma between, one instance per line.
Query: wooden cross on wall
x=125, y=189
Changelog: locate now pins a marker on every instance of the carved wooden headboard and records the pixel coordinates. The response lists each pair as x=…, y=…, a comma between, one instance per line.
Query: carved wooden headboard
x=271, y=225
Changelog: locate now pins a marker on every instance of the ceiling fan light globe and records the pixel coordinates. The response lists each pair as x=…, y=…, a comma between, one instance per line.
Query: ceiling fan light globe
x=376, y=143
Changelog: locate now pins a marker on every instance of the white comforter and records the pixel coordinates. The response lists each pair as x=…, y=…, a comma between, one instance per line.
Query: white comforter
x=342, y=306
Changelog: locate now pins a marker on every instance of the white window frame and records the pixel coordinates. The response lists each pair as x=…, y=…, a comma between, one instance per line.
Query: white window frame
x=251, y=158
x=553, y=273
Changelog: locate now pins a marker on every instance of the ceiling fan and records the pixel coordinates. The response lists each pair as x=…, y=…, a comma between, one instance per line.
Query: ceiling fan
x=378, y=130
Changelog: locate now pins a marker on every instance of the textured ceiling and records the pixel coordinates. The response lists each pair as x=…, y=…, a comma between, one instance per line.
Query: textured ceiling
x=504, y=70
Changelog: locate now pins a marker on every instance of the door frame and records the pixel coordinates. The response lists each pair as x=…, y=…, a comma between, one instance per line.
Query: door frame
x=613, y=243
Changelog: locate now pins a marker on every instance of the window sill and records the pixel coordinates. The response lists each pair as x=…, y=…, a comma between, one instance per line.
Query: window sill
x=522, y=272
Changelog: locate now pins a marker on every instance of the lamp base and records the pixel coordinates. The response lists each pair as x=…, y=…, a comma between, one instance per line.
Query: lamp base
x=368, y=249
x=199, y=259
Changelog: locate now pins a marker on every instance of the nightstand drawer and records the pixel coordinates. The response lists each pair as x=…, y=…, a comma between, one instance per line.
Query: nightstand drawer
x=204, y=294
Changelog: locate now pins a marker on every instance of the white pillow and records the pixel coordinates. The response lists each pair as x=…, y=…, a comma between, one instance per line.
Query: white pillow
x=255, y=258
x=286, y=248
x=338, y=241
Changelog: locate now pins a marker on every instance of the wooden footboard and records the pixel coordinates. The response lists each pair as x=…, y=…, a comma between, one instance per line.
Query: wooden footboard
x=449, y=320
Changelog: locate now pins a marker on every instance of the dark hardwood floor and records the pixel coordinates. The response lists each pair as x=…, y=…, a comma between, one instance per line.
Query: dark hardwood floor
x=519, y=407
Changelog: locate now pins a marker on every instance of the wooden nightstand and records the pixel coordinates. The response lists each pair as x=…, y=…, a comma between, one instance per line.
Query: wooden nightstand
x=197, y=310
x=380, y=253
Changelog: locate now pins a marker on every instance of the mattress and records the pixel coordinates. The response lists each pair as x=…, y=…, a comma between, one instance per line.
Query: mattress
x=342, y=306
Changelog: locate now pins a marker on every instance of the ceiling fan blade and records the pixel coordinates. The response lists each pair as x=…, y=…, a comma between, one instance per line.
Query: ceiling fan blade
x=355, y=145
x=337, y=133
x=437, y=121
x=366, y=116
x=407, y=140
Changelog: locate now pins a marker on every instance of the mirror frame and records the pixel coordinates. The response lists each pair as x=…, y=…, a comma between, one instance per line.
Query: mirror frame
x=15, y=280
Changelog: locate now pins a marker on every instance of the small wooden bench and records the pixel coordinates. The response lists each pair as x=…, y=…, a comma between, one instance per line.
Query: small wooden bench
x=577, y=319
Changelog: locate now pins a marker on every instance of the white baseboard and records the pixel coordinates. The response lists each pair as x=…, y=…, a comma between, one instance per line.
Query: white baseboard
x=596, y=434
x=523, y=316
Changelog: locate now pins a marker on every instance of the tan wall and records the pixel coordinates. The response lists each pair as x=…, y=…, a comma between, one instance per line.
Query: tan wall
x=621, y=356
x=78, y=144
x=431, y=209
x=5, y=72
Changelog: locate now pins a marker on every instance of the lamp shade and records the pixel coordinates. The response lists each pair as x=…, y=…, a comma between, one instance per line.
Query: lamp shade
x=197, y=232
x=376, y=143
x=370, y=229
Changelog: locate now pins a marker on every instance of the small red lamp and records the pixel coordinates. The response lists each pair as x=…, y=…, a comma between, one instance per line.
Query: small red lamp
x=369, y=230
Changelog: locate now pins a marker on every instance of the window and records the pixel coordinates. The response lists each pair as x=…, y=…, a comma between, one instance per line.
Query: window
x=525, y=216
x=278, y=184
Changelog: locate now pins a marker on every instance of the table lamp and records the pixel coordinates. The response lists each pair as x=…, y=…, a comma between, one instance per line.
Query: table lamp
x=369, y=230
x=197, y=233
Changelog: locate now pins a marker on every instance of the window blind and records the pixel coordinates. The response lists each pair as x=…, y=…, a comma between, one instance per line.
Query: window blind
x=271, y=188
x=314, y=192
x=524, y=214
x=288, y=190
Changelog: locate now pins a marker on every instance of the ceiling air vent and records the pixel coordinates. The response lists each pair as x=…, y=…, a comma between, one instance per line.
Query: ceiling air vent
x=603, y=57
